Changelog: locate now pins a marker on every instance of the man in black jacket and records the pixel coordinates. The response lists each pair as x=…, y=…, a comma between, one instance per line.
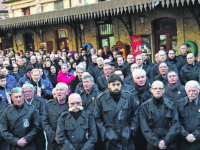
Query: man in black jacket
x=189, y=117
x=159, y=120
x=20, y=123
x=39, y=103
x=76, y=128
x=53, y=110
x=89, y=93
x=116, y=116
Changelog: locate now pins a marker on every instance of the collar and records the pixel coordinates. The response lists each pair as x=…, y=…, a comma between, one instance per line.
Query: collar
x=28, y=101
x=62, y=102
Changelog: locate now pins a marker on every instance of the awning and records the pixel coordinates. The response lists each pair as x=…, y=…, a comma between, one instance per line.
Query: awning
x=93, y=11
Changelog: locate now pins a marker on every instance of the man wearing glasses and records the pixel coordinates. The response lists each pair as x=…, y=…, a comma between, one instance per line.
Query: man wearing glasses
x=116, y=116
x=76, y=128
x=159, y=120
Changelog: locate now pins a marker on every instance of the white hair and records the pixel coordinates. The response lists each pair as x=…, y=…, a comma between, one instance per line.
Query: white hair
x=138, y=71
x=192, y=82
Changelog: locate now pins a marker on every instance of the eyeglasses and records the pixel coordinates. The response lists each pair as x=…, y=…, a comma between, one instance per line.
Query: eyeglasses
x=77, y=103
x=157, y=88
x=115, y=84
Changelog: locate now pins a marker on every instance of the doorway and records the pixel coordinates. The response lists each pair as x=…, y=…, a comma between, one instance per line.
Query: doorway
x=29, y=42
x=165, y=30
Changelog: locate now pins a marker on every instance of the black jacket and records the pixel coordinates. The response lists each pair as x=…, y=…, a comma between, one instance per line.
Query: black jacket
x=189, y=117
x=49, y=121
x=102, y=83
x=80, y=134
x=21, y=70
x=74, y=83
x=53, y=79
x=16, y=125
x=159, y=122
x=117, y=122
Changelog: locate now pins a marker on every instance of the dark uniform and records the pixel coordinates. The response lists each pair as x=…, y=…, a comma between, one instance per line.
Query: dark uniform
x=88, y=100
x=39, y=103
x=159, y=121
x=80, y=134
x=175, y=93
x=189, y=117
x=102, y=83
x=117, y=122
x=20, y=122
x=49, y=121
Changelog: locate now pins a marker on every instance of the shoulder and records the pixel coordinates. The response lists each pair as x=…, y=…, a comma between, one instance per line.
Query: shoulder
x=146, y=103
x=50, y=102
x=103, y=94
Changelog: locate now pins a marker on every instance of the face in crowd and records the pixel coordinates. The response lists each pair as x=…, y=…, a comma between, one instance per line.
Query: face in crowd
x=157, y=89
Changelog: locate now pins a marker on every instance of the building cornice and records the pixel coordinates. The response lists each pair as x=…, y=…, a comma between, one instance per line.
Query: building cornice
x=92, y=11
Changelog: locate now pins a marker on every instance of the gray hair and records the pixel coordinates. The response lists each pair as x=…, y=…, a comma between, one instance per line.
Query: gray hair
x=80, y=67
x=99, y=58
x=17, y=90
x=88, y=77
x=138, y=71
x=192, y=82
x=28, y=85
x=94, y=55
x=62, y=85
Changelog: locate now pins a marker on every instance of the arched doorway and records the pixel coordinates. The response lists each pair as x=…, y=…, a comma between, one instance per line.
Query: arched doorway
x=165, y=30
x=29, y=42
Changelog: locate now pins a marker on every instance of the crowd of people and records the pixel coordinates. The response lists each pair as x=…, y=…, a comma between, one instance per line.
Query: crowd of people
x=99, y=101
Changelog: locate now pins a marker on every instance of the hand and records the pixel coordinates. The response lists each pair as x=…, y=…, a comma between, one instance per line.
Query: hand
x=21, y=142
x=190, y=138
x=162, y=145
x=39, y=91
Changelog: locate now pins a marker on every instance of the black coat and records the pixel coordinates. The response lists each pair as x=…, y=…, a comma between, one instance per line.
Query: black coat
x=88, y=100
x=175, y=94
x=21, y=70
x=102, y=83
x=159, y=122
x=189, y=117
x=16, y=125
x=49, y=121
x=117, y=122
x=190, y=72
x=53, y=79
x=74, y=83
x=80, y=134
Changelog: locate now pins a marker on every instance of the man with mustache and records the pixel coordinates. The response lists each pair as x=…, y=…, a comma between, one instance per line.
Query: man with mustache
x=159, y=120
x=116, y=116
x=76, y=129
x=53, y=109
x=189, y=117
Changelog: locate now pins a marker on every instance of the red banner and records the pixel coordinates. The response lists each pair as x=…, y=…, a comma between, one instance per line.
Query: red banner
x=136, y=45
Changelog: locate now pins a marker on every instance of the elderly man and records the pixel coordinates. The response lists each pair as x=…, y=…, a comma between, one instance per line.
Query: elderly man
x=191, y=70
x=140, y=62
x=42, y=87
x=39, y=103
x=89, y=94
x=163, y=70
x=20, y=123
x=116, y=116
x=33, y=62
x=79, y=71
x=174, y=90
x=189, y=117
x=159, y=120
x=53, y=109
x=102, y=81
x=76, y=128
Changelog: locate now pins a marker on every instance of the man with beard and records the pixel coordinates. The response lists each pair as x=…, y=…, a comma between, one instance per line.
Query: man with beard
x=76, y=128
x=53, y=109
x=116, y=116
x=174, y=90
x=43, y=88
x=159, y=120
x=189, y=117
x=20, y=123
x=191, y=70
x=172, y=59
x=39, y=103
x=89, y=94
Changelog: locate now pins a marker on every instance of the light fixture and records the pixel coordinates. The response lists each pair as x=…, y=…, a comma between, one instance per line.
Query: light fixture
x=142, y=19
x=81, y=26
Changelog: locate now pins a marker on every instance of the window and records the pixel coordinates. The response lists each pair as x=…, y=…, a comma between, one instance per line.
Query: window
x=26, y=11
x=58, y=5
